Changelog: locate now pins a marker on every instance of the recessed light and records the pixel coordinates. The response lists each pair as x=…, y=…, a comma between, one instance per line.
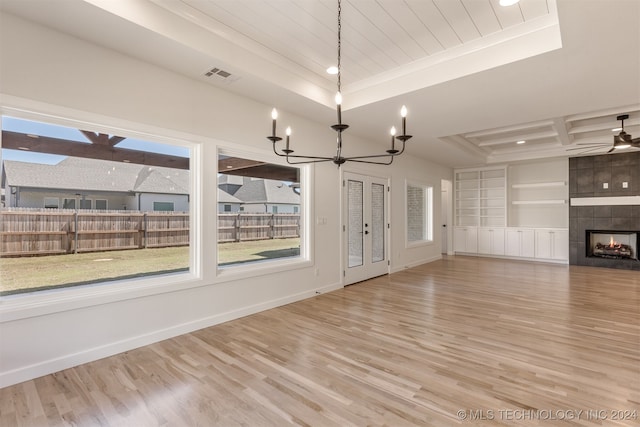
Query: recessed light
x=332, y=70
x=24, y=148
x=508, y=2
x=127, y=161
x=30, y=135
x=616, y=129
x=520, y=142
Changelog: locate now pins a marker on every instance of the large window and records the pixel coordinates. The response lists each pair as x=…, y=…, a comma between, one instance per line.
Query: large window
x=74, y=239
x=419, y=205
x=268, y=225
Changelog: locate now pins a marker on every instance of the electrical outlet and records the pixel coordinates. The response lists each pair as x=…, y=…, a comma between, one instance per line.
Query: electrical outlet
x=605, y=185
x=625, y=184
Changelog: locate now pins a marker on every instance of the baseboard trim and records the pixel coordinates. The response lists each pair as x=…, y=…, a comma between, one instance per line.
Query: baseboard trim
x=47, y=367
x=416, y=263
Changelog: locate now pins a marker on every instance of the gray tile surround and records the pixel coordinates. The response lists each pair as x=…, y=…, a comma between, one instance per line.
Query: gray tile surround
x=586, y=178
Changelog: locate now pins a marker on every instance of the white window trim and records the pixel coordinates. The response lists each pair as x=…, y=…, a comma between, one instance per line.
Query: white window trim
x=260, y=268
x=429, y=212
x=25, y=305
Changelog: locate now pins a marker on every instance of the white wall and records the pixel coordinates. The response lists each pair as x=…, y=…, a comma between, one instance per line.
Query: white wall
x=43, y=70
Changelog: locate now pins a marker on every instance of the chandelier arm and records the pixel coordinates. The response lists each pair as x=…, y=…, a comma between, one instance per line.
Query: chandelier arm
x=374, y=156
x=300, y=156
x=324, y=159
x=372, y=163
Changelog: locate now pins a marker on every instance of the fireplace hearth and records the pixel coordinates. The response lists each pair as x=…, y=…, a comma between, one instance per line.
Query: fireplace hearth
x=612, y=244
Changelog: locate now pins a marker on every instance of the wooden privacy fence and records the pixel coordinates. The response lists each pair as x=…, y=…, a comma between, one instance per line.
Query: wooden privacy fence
x=61, y=231
x=243, y=226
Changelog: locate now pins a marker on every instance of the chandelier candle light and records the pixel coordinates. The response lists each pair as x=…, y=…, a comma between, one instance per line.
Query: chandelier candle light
x=338, y=159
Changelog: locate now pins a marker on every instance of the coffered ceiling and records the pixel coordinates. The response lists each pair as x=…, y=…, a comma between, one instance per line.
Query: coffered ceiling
x=476, y=76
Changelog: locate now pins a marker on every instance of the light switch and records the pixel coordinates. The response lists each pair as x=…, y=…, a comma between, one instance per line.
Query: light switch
x=605, y=185
x=625, y=184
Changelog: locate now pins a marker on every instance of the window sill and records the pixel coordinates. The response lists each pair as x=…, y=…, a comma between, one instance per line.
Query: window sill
x=254, y=269
x=419, y=244
x=21, y=306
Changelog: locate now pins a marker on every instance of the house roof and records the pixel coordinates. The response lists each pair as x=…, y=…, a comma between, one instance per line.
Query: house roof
x=224, y=197
x=74, y=173
x=267, y=191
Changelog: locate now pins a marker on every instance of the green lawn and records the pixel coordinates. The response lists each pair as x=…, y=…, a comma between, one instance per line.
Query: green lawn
x=46, y=272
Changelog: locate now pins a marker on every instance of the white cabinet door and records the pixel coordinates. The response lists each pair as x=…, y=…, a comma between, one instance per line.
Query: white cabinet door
x=520, y=243
x=497, y=241
x=552, y=244
x=491, y=241
x=484, y=241
x=561, y=245
x=465, y=239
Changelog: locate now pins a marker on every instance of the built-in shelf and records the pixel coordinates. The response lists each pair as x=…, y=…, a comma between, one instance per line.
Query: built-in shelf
x=538, y=202
x=540, y=184
x=480, y=198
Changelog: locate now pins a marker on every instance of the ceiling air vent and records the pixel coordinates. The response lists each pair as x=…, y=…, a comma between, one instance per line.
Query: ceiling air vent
x=223, y=76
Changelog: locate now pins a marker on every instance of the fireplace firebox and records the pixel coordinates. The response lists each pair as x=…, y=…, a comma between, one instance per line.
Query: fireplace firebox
x=612, y=244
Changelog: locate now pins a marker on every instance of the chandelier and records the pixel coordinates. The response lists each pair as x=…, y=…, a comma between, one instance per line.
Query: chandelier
x=376, y=159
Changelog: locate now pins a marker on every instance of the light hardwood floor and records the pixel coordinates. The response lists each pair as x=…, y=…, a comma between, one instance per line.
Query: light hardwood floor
x=505, y=342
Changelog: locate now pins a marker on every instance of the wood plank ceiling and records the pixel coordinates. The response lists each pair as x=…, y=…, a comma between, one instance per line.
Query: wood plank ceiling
x=381, y=35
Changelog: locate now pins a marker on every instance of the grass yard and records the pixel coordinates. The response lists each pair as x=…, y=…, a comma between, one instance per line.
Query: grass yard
x=46, y=272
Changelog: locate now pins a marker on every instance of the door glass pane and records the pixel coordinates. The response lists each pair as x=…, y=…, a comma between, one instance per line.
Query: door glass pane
x=377, y=222
x=354, y=206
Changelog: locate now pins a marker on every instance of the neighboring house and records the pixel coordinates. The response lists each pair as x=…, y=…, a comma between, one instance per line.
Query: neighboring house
x=228, y=203
x=79, y=183
x=268, y=196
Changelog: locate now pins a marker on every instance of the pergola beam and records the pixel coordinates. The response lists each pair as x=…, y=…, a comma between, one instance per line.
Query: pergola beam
x=64, y=147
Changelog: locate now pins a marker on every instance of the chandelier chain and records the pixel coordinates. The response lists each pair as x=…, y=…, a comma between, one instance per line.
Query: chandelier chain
x=339, y=41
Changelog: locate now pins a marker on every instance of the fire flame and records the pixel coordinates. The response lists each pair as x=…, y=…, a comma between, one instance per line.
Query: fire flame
x=613, y=243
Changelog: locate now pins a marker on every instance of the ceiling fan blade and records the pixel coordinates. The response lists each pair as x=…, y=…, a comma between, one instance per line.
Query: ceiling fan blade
x=595, y=147
x=585, y=150
x=593, y=143
x=612, y=148
x=635, y=142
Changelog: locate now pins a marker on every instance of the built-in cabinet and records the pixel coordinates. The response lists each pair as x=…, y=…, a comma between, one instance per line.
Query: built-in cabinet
x=520, y=242
x=542, y=244
x=523, y=218
x=465, y=239
x=552, y=244
x=491, y=241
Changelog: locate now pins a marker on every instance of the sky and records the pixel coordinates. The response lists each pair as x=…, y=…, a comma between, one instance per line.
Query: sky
x=62, y=132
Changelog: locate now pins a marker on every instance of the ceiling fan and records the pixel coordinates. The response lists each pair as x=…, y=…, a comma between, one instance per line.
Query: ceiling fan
x=620, y=141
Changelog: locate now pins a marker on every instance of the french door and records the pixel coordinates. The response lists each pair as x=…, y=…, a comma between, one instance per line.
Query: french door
x=365, y=227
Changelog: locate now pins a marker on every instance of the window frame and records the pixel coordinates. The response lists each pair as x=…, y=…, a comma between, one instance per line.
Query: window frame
x=260, y=268
x=32, y=304
x=106, y=204
x=64, y=203
x=57, y=199
x=173, y=206
x=428, y=213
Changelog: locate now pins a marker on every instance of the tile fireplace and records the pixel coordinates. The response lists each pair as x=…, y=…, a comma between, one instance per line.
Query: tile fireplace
x=603, y=231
